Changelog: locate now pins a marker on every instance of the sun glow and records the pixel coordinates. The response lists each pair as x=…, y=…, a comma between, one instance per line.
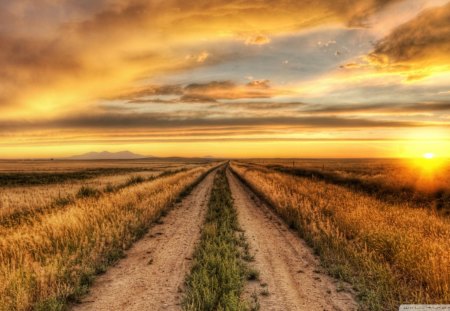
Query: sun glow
x=428, y=155
x=429, y=162
x=428, y=170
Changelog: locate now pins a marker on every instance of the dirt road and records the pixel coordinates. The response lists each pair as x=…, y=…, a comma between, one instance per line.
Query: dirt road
x=152, y=274
x=290, y=277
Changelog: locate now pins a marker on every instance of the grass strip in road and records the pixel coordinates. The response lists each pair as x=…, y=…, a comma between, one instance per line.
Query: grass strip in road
x=218, y=274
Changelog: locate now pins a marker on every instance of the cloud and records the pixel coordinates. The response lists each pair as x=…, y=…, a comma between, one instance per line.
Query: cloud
x=301, y=108
x=149, y=90
x=230, y=90
x=208, y=92
x=196, y=98
x=70, y=52
x=260, y=106
x=424, y=36
x=388, y=108
x=210, y=86
x=200, y=57
x=108, y=121
x=257, y=40
x=260, y=84
x=86, y=70
x=418, y=47
x=27, y=63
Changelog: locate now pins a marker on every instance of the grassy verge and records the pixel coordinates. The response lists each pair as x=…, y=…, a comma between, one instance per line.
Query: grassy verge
x=218, y=274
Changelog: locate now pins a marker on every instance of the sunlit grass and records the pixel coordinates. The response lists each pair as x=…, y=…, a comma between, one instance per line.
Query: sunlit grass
x=20, y=202
x=45, y=263
x=429, y=170
x=417, y=182
x=391, y=253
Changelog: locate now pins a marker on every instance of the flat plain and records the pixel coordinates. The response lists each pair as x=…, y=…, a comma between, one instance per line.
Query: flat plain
x=193, y=234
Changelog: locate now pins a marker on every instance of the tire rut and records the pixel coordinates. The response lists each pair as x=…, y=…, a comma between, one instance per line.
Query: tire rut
x=290, y=275
x=151, y=277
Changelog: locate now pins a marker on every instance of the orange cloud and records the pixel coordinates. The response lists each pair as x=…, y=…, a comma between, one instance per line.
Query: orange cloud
x=202, y=92
x=56, y=64
x=257, y=40
x=417, y=48
x=94, y=49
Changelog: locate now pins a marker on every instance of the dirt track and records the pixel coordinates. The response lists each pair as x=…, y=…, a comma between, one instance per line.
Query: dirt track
x=288, y=269
x=152, y=274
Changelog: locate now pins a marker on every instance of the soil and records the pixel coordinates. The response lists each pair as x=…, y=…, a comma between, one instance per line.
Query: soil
x=290, y=275
x=151, y=276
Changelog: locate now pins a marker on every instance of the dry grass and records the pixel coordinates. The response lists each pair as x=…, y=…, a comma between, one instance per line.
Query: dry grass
x=417, y=182
x=391, y=254
x=18, y=201
x=422, y=175
x=42, y=166
x=45, y=263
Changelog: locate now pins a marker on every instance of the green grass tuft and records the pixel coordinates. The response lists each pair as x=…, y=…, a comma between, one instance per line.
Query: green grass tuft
x=218, y=273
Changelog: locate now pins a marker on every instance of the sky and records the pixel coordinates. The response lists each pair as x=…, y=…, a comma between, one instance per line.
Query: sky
x=225, y=78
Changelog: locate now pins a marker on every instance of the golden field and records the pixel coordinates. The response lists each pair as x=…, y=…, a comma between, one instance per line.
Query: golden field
x=35, y=187
x=53, y=166
x=371, y=223
x=52, y=258
x=390, y=253
x=418, y=182
x=17, y=202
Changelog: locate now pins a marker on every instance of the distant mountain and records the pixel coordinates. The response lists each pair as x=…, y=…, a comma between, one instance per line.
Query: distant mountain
x=105, y=155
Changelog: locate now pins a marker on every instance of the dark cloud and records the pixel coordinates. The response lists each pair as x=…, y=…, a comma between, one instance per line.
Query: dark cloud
x=150, y=90
x=257, y=106
x=51, y=40
x=210, y=86
x=196, y=98
x=33, y=63
x=300, y=108
x=209, y=92
x=230, y=90
x=424, y=38
x=212, y=138
x=167, y=121
x=153, y=101
x=393, y=108
x=39, y=17
x=358, y=12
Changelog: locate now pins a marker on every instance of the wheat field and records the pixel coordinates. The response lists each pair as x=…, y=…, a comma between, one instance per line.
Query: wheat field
x=390, y=253
x=45, y=262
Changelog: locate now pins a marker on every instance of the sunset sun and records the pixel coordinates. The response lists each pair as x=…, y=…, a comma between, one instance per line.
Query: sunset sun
x=428, y=155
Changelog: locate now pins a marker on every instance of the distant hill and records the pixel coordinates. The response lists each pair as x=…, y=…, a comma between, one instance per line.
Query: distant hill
x=105, y=155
